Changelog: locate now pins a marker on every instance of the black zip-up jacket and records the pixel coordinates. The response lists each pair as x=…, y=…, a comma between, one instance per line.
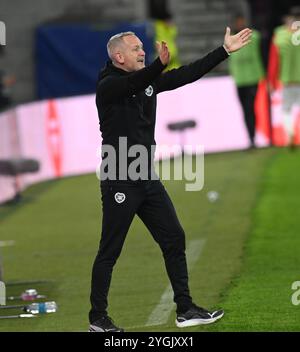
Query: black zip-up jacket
x=126, y=101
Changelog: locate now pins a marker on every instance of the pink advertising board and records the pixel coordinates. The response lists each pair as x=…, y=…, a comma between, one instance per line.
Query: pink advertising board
x=63, y=134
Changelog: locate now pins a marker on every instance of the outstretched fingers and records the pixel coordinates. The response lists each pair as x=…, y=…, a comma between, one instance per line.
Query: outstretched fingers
x=164, y=47
x=245, y=34
x=164, y=53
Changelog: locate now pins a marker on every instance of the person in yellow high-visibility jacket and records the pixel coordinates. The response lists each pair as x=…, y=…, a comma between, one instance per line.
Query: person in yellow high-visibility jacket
x=166, y=30
x=246, y=68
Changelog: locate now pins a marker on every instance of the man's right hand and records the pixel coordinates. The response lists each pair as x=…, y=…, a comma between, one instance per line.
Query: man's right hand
x=163, y=52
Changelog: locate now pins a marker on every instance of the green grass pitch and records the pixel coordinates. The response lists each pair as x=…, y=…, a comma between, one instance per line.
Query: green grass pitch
x=247, y=265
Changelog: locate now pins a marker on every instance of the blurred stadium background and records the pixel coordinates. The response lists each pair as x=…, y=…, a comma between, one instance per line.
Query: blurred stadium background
x=49, y=150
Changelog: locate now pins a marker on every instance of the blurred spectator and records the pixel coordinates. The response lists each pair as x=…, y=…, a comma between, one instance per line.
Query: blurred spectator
x=246, y=68
x=6, y=82
x=165, y=29
x=159, y=9
x=284, y=68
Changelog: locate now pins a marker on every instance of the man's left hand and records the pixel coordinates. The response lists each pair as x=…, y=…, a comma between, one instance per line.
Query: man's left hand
x=235, y=42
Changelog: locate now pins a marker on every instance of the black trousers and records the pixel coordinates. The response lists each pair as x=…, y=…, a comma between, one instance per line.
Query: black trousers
x=150, y=201
x=247, y=96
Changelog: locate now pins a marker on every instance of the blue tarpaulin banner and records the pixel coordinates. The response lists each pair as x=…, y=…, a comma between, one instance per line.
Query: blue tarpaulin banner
x=69, y=57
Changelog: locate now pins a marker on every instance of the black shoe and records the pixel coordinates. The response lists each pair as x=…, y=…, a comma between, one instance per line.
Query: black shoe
x=197, y=316
x=104, y=324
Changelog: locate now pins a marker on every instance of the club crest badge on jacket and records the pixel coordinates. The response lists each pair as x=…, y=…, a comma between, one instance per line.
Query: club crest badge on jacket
x=149, y=91
x=120, y=197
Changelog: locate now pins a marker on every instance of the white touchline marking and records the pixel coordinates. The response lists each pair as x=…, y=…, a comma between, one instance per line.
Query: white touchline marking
x=7, y=243
x=162, y=311
x=2, y=294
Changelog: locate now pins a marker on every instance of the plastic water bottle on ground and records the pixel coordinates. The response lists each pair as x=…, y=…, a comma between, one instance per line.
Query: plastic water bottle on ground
x=41, y=308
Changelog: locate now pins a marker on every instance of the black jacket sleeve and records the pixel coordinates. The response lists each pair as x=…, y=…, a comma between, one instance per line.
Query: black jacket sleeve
x=114, y=87
x=187, y=74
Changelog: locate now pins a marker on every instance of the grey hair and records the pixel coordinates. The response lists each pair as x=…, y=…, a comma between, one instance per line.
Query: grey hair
x=116, y=40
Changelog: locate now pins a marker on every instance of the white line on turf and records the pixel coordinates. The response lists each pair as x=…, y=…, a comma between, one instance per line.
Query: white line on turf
x=7, y=243
x=162, y=311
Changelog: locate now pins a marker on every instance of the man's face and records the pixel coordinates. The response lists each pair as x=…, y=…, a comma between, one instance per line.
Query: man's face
x=132, y=54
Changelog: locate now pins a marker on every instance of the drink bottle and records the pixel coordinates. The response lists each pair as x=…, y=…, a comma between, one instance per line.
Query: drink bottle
x=41, y=308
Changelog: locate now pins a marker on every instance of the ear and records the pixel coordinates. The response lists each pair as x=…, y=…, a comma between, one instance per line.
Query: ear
x=119, y=58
